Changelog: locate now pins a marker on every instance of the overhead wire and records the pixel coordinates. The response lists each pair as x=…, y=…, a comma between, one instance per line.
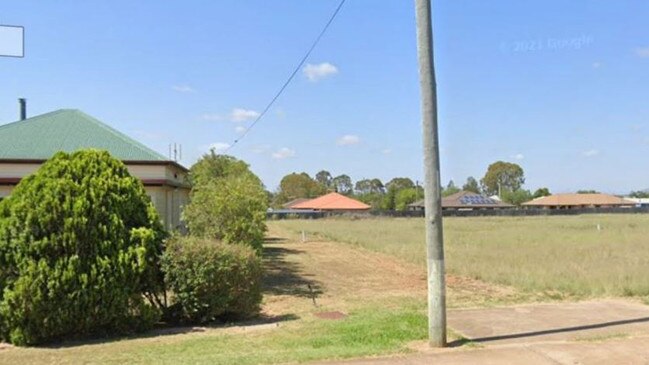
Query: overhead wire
x=290, y=78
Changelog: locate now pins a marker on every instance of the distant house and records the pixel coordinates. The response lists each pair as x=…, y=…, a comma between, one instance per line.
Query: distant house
x=27, y=143
x=332, y=202
x=465, y=200
x=575, y=201
x=639, y=202
x=293, y=202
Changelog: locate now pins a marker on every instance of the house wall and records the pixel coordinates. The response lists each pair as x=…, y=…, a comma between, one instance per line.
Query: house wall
x=5, y=190
x=17, y=170
x=169, y=196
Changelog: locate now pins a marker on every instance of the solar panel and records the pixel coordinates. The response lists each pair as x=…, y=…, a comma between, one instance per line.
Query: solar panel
x=477, y=200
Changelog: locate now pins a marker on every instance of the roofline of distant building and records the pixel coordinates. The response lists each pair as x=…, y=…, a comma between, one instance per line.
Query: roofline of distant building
x=126, y=162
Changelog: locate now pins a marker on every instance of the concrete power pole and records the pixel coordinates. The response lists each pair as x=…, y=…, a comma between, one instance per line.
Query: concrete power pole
x=432, y=186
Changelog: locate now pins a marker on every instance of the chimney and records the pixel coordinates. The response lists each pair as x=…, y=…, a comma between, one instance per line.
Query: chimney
x=23, y=108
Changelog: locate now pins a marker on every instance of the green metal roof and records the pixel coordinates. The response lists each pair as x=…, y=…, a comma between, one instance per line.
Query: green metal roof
x=68, y=130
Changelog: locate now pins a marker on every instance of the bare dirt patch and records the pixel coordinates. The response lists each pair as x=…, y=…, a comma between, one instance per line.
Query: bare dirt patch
x=308, y=276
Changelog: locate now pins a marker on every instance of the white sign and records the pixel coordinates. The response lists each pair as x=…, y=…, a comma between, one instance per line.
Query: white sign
x=12, y=41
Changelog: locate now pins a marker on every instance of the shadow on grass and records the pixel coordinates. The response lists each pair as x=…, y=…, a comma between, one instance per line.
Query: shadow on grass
x=164, y=330
x=283, y=277
x=465, y=341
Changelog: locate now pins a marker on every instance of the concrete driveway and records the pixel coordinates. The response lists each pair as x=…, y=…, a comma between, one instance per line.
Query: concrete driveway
x=591, y=332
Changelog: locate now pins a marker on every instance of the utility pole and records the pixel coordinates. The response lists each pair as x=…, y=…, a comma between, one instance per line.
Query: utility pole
x=432, y=185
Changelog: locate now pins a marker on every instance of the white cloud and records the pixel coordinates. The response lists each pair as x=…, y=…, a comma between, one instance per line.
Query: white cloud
x=183, y=89
x=590, y=153
x=283, y=153
x=642, y=52
x=386, y=151
x=348, y=140
x=219, y=147
x=240, y=129
x=597, y=65
x=518, y=156
x=211, y=117
x=243, y=115
x=319, y=71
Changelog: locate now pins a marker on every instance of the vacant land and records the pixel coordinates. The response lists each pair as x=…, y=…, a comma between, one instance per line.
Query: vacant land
x=556, y=257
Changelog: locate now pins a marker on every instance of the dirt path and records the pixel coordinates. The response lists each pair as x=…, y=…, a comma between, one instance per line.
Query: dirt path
x=337, y=276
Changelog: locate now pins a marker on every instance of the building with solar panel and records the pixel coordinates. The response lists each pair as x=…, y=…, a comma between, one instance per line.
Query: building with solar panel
x=465, y=200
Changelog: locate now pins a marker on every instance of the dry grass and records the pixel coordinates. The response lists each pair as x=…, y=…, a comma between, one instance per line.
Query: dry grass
x=559, y=257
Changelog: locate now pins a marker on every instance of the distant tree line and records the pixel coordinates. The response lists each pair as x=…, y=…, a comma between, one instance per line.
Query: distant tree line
x=503, y=179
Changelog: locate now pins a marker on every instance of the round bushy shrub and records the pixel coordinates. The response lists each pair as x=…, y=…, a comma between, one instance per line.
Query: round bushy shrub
x=231, y=209
x=80, y=244
x=209, y=279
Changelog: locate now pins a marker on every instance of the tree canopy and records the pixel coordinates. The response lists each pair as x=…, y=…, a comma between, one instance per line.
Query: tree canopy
x=471, y=185
x=324, y=178
x=643, y=194
x=587, y=191
x=231, y=209
x=502, y=176
x=399, y=183
x=212, y=166
x=343, y=184
x=228, y=201
x=541, y=192
x=369, y=186
x=294, y=186
x=450, y=189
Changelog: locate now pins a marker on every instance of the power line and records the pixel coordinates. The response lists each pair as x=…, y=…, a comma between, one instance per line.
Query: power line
x=290, y=78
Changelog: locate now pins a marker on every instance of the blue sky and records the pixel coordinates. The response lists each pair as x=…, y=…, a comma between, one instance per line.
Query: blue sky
x=558, y=87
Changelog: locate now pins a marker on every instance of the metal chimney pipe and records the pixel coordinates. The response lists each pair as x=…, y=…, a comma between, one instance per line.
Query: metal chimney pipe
x=23, y=108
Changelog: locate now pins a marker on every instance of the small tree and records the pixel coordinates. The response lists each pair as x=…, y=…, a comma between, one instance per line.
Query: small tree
x=80, y=244
x=405, y=197
x=231, y=209
x=642, y=194
x=210, y=279
x=213, y=166
x=471, y=185
x=450, y=189
x=541, y=192
x=517, y=197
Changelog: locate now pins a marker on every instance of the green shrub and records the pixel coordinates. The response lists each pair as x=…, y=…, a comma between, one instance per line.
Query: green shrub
x=80, y=244
x=209, y=279
x=231, y=209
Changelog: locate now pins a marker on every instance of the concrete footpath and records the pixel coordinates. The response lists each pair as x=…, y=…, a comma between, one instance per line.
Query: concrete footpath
x=592, y=332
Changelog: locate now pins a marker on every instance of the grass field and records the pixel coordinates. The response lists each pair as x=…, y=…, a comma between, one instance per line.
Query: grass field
x=559, y=256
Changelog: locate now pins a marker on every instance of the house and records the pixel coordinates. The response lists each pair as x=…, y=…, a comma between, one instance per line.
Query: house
x=27, y=143
x=465, y=200
x=575, y=201
x=332, y=202
x=639, y=202
x=289, y=205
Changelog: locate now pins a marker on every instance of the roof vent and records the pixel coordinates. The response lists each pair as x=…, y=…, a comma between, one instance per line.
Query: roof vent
x=23, y=108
